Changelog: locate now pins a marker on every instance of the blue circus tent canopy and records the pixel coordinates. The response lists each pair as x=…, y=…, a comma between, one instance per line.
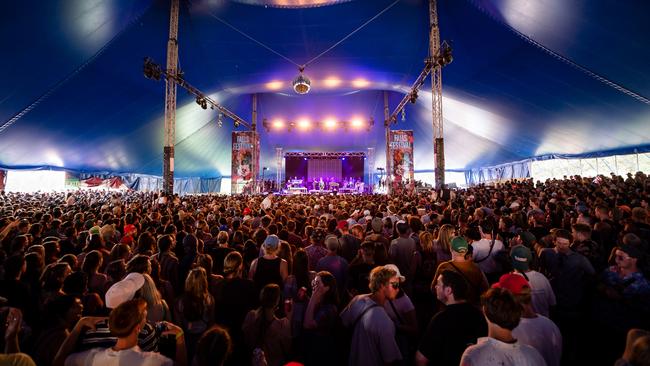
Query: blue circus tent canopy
x=529, y=78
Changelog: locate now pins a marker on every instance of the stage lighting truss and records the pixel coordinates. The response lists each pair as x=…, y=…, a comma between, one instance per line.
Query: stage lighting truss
x=325, y=154
x=325, y=125
x=153, y=71
x=442, y=59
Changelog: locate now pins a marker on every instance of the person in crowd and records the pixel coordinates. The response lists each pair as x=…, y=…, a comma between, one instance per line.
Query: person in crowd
x=583, y=244
x=637, y=349
x=452, y=329
x=269, y=268
x=462, y=263
x=402, y=249
x=349, y=243
x=382, y=244
x=402, y=312
x=168, y=262
x=125, y=322
x=91, y=264
x=316, y=249
x=194, y=310
x=157, y=308
x=373, y=331
x=99, y=335
x=320, y=320
x=543, y=297
x=571, y=275
x=214, y=347
x=500, y=347
x=334, y=263
x=219, y=252
x=62, y=313
x=534, y=329
x=484, y=251
x=360, y=268
x=11, y=354
x=264, y=331
x=234, y=297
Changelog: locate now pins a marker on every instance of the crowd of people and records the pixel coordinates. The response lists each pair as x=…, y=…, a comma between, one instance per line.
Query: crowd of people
x=518, y=273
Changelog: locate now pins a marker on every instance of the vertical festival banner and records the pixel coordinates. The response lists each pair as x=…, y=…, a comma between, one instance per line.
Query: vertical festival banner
x=401, y=152
x=245, y=161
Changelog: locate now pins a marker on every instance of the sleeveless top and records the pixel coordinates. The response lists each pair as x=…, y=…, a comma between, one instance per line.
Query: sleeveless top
x=267, y=271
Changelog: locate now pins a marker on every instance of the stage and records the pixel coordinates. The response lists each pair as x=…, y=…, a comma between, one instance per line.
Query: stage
x=324, y=173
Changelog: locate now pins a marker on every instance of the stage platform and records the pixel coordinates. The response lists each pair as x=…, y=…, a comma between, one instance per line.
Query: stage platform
x=294, y=191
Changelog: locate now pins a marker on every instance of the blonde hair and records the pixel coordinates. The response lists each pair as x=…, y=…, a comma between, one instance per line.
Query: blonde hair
x=426, y=242
x=196, y=283
x=380, y=276
x=232, y=262
x=149, y=292
x=444, y=238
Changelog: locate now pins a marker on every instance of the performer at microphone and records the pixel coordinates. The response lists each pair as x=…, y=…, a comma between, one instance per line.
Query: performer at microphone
x=321, y=184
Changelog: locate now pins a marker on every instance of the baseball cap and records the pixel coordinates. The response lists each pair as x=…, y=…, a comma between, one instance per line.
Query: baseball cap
x=129, y=229
x=94, y=230
x=512, y=282
x=521, y=257
x=459, y=244
x=272, y=242
x=394, y=268
x=124, y=290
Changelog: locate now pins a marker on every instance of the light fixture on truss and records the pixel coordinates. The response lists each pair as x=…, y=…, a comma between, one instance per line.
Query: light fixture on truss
x=301, y=84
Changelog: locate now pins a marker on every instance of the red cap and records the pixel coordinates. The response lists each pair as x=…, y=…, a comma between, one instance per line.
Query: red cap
x=247, y=211
x=342, y=224
x=512, y=282
x=128, y=229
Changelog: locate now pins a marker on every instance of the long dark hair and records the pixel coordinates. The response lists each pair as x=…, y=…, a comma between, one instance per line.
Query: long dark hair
x=332, y=295
x=301, y=269
x=269, y=299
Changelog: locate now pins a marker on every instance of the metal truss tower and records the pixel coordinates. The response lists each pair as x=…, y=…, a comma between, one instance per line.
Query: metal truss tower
x=436, y=98
x=170, y=101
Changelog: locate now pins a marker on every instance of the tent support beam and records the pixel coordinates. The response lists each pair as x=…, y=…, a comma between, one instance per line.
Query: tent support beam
x=170, y=101
x=436, y=98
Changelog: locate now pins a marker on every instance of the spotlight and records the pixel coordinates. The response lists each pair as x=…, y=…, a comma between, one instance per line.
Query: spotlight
x=151, y=70
x=220, y=120
x=278, y=124
x=413, y=97
x=403, y=115
x=292, y=125
x=265, y=124
x=236, y=124
x=445, y=57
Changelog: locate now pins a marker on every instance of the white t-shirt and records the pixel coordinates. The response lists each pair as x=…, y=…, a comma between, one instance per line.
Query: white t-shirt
x=489, y=351
x=542, y=293
x=481, y=248
x=108, y=357
x=542, y=334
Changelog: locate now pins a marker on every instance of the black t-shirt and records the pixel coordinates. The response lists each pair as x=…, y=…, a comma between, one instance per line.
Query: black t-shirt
x=358, y=275
x=234, y=298
x=450, y=332
x=218, y=254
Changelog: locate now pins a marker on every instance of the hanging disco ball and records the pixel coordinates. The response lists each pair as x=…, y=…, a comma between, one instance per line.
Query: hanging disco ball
x=301, y=84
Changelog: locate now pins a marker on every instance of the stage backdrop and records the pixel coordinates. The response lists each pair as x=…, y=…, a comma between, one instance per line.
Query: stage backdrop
x=245, y=160
x=401, y=151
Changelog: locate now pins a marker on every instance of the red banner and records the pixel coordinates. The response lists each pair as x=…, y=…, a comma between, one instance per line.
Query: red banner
x=245, y=161
x=401, y=152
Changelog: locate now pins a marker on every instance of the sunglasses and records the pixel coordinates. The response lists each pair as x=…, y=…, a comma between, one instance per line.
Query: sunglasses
x=395, y=285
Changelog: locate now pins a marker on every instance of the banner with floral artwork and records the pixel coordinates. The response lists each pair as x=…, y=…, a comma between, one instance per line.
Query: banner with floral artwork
x=401, y=152
x=245, y=161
